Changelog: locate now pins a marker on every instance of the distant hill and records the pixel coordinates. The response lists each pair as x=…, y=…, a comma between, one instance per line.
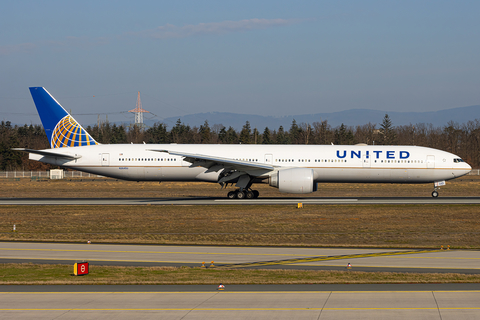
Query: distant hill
x=349, y=117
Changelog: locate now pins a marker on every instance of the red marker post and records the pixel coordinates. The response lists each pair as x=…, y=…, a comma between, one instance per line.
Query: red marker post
x=80, y=269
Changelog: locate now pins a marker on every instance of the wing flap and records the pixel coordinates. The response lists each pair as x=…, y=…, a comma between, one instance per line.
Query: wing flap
x=210, y=161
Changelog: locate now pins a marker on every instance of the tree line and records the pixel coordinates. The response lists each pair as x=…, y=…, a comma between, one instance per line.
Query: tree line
x=460, y=139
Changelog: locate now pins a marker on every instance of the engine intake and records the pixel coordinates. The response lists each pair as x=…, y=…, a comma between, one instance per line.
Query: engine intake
x=295, y=180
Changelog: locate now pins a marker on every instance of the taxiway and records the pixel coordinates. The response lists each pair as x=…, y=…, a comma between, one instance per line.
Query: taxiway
x=367, y=259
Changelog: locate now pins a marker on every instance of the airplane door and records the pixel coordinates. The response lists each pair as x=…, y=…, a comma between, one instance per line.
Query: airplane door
x=269, y=158
x=105, y=159
x=430, y=162
x=366, y=161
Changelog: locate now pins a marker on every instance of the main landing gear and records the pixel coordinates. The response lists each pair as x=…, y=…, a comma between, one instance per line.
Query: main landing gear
x=243, y=194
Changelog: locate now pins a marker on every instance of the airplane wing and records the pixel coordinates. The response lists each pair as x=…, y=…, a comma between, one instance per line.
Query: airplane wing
x=49, y=153
x=210, y=161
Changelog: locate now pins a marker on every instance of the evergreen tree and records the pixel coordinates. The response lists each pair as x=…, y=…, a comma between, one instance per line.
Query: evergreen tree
x=294, y=133
x=343, y=135
x=157, y=134
x=222, y=135
x=387, y=133
x=281, y=136
x=231, y=136
x=205, y=133
x=266, y=138
x=245, y=134
x=181, y=133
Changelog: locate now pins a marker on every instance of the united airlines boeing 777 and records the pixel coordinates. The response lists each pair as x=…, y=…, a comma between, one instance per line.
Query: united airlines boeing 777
x=290, y=168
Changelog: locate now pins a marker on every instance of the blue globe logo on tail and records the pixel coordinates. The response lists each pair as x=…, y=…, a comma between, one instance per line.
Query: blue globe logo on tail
x=61, y=129
x=68, y=133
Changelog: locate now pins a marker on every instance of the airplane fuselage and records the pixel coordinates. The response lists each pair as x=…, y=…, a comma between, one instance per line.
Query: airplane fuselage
x=330, y=163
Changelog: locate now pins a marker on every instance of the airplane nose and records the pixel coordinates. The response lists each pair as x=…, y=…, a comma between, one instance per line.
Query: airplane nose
x=468, y=168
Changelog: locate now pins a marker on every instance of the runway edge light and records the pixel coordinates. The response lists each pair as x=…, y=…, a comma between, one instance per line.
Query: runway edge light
x=80, y=269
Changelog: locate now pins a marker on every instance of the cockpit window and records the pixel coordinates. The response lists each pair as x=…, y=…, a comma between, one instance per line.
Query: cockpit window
x=457, y=160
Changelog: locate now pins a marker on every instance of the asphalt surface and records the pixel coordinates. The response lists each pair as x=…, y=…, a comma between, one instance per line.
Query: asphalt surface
x=224, y=201
x=72, y=302
x=366, y=259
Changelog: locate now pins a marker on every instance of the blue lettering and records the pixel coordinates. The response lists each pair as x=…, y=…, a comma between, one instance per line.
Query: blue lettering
x=390, y=155
x=377, y=154
x=344, y=154
x=358, y=155
x=367, y=155
x=404, y=154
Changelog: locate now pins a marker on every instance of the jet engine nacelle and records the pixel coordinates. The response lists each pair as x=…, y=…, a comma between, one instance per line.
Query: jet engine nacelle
x=295, y=180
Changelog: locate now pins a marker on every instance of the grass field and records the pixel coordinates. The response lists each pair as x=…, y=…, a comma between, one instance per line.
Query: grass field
x=409, y=226
x=61, y=274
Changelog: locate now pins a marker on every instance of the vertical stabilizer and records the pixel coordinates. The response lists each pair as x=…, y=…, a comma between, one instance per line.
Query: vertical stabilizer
x=61, y=129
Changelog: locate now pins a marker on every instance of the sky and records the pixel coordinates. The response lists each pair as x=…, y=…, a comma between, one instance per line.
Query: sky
x=252, y=57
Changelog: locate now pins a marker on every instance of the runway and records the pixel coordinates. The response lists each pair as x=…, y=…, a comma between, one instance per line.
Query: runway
x=223, y=201
x=390, y=260
x=236, y=304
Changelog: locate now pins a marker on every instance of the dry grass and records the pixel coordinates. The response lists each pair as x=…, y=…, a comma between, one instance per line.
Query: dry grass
x=60, y=274
x=410, y=226
x=109, y=188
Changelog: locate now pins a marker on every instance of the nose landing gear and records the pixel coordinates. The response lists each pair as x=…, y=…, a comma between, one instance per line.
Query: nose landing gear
x=436, y=186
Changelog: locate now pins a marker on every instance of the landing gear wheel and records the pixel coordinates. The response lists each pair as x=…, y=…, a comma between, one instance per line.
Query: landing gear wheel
x=255, y=194
x=241, y=195
x=250, y=195
x=232, y=195
x=435, y=194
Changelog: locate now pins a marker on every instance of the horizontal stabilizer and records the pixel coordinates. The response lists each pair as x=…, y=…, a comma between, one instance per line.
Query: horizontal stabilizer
x=48, y=153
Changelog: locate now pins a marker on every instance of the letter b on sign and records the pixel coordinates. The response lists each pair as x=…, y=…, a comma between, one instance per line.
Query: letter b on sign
x=80, y=269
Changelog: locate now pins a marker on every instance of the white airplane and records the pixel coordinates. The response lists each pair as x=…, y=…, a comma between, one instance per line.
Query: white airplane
x=290, y=168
